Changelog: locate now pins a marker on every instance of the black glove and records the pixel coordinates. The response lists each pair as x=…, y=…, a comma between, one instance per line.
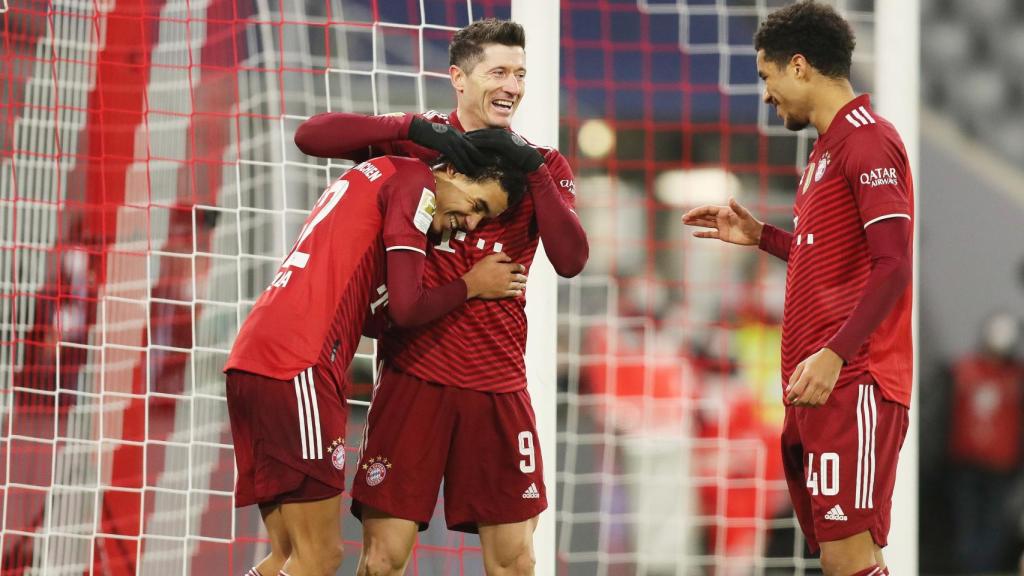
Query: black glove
x=449, y=142
x=508, y=144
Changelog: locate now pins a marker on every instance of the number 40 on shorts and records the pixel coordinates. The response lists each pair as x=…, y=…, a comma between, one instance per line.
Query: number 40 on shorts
x=826, y=478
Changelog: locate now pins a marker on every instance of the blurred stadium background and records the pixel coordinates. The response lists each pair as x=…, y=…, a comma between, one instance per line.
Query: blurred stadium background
x=149, y=189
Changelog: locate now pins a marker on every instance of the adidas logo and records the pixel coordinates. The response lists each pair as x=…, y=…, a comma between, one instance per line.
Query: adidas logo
x=531, y=492
x=836, y=513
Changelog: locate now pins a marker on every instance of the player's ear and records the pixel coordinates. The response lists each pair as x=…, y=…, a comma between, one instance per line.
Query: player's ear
x=800, y=65
x=458, y=78
x=450, y=170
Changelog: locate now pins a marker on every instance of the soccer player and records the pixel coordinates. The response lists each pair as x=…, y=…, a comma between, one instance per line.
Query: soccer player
x=452, y=402
x=846, y=340
x=286, y=374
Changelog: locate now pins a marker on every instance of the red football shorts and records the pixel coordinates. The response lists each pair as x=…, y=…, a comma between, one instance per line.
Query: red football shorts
x=840, y=462
x=289, y=437
x=484, y=445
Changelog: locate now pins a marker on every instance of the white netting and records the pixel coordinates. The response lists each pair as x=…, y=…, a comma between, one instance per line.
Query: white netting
x=149, y=191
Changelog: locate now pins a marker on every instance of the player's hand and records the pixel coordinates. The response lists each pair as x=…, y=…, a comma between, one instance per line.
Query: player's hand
x=813, y=380
x=495, y=276
x=730, y=223
x=508, y=144
x=451, y=143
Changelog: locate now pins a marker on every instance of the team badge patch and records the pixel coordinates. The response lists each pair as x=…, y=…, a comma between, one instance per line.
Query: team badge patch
x=425, y=211
x=822, y=165
x=376, y=470
x=337, y=452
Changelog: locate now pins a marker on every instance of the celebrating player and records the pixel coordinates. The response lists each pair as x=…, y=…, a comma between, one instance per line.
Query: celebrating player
x=452, y=402
x=846, y=340
x=286, y=373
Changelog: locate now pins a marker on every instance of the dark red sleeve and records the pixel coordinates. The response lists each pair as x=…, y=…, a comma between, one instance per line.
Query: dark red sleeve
x=409, y=303
x=553, y=191
x=891, y=270
x=350, y=136
x=409, y=204
x=775, y=241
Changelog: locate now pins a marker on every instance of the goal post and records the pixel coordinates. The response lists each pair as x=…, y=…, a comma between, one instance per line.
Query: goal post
x=897, y=89
x=537, y=119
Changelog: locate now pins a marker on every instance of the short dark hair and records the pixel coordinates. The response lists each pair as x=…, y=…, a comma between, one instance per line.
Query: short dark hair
x=467, y=46
x=815, y=30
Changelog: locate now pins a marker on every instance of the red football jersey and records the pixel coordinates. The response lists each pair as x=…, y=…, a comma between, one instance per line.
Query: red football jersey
x=858, y=174
x=482, y=344
x=314, y=309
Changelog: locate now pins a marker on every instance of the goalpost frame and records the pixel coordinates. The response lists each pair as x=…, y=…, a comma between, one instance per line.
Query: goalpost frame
x=897, y=88
x=537, y=119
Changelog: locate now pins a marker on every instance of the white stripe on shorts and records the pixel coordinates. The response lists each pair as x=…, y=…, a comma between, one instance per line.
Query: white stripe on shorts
x=302, y=414
x=867, y=417
x=316, y=416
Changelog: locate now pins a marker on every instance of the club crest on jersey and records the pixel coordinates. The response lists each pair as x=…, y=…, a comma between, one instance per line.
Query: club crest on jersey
x=376, y=470
x=822, y=165
x=337, y=452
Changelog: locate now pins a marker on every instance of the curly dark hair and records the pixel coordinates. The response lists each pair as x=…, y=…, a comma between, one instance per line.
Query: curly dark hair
x=467, y=46
x=814, y=30
x=511, y=178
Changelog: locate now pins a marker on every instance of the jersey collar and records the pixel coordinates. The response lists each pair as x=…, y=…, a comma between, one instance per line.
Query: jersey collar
x=453, y=118
x=849, y=117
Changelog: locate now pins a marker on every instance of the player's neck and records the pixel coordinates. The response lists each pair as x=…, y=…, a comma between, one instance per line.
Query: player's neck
x=828, y=101
x=469, y=121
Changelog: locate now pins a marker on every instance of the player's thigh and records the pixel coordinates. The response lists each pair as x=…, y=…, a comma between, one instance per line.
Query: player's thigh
x=314, y=526
x=508, y=545
x=387, y=540
x=495, y=471
x=850, y=451
x=273, y=520
x=848, y=555
x=405, y=447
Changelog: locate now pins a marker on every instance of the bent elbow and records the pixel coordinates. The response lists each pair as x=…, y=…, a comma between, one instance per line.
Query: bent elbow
x=302, y=137
x=572, y=267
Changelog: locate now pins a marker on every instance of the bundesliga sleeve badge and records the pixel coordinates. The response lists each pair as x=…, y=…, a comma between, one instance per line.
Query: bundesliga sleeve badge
x=425, y=211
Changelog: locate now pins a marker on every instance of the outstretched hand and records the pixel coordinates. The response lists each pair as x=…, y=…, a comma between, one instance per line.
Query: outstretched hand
x=451, y=143
x=732, y=223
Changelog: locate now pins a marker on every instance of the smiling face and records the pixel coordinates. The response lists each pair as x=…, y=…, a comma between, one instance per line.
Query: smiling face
x=786, y=88
x=463, y=203
x=489, y=93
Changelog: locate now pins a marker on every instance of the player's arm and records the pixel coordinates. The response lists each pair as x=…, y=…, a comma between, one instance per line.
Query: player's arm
x=736, y=225
x=565, y=242
x=350, y=136
x=355, y=136
x=891, y=270
x=411, y=304
x=409, y=207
